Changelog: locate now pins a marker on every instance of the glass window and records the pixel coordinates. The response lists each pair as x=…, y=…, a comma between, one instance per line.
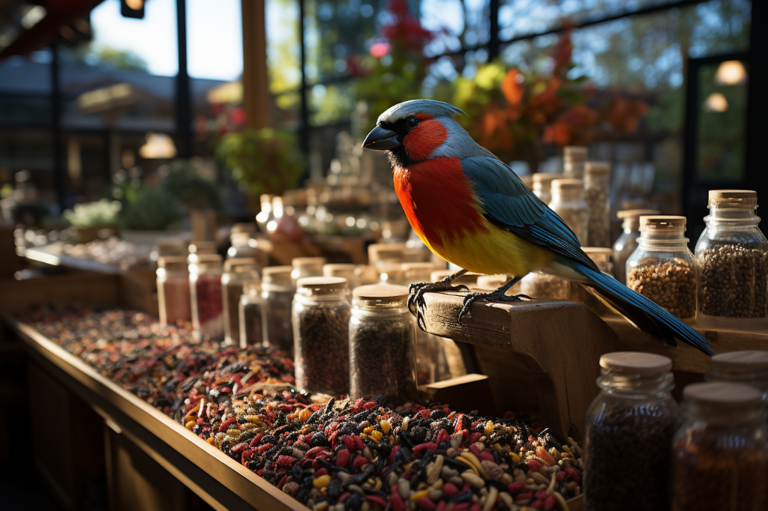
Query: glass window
x=283, y=47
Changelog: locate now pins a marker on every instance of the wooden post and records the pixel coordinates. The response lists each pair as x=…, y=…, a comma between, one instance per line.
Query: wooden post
x=255, y=77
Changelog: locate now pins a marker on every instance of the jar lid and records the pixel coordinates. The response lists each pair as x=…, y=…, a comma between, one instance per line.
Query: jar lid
x=202, y=247
x=734, y=198
x=298, y=262
x=722, y=394
x=661, y=223
x=391, y=271
x=209, y=258
x=381, y=293
x=277, y=274
x=636, y=213
x=740, y=362
x=562, y=185
x=244, y=227
x=598, y=254
x=321, y=285
x=339, y=269
x=575, y=152
x=172, y=263
x=265, y=197
x=252, y=287
x=597, y=168
x=636, y=362
x=378, y=251
x=235, y=262
x=367, y=274
x=544, y=177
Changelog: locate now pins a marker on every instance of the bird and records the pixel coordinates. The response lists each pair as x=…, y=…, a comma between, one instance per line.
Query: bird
x=472, y=210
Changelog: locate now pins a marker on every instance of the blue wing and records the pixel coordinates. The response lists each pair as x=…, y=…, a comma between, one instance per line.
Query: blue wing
x=508, y=203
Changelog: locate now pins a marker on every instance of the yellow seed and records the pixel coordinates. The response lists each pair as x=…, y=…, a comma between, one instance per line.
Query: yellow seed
x=497, y=447
x=363, y=436
x=419, y=494
x=304, y=415
x=385, y=426
x=209, y=440
x=515, y=457
x=488, y=427
x=190, y=425
x=377, y=435
x=322, y=481
x=375, y=439
x=469, y=464
x=253, y=418
x=368, y=430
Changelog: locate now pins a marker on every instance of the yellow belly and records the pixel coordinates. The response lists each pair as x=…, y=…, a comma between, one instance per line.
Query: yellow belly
x=492, y=252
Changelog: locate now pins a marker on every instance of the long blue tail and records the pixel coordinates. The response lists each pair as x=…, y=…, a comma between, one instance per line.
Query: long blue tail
x=641, y=311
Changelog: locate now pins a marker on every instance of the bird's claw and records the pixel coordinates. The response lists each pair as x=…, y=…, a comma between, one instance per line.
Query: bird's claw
x=495, y=296
x=417, y=291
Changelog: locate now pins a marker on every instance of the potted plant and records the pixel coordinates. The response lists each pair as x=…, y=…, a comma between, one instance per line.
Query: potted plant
x=95, y=220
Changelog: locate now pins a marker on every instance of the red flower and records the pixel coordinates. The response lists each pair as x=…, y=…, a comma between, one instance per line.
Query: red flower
x=378, y=50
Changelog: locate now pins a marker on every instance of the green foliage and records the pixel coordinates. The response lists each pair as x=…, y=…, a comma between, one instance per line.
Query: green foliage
x=153, y=209
x=184, y=184
x=263, y=161
x=121, y=59
x=93, y=214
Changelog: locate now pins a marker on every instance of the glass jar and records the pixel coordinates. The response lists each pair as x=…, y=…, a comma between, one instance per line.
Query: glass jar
x=392, y=274
x=173, y=290
x=266, y=211
x=307, y=267
x=597, y=195
x=205, y=296
x=720, y=452
x=243, y=244
x=431, y=361
x=633, y=417
x=236, y=271
x=732, y=256
x=579, y=293
x=542, y=185
x=321, y=335
x=348, y=271
x=662, y=267
x=418, y=272
x=197, y=248
x=277, y=291
x=568, y=202
x=749, y=367
x=541, y=286
x=627, y=242
x=380, y=254
x=367, y=274
x=250, y=314
x=382, y=337
x=574, y=158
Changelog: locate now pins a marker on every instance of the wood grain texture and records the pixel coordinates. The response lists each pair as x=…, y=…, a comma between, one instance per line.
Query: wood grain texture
x=59, y=291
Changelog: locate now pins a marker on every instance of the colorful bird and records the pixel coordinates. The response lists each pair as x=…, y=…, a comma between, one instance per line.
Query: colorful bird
x=469, y=208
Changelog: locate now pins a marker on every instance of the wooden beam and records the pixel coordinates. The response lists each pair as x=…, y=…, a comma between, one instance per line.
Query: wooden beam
x=256, y=100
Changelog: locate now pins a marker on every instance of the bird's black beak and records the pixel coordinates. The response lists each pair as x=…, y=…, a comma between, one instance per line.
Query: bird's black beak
x=381, y=139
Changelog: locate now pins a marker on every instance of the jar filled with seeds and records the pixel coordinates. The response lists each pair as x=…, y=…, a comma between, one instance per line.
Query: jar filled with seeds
x=173, y=290
x=307, y=267
x=574, y=158
x=277, y=291
x=662, y=266
x=541, y=286
x=732, y=255
x=382, y=337
x=250, y=314
x=749, y=367
x=597, y=190
x=321, y=335
x=542, y=185
x=568, y=202
x=627, y=242
x=629, y=428
x=720, y=452
x=579, y=293
x=205, y=295
x=236, y=271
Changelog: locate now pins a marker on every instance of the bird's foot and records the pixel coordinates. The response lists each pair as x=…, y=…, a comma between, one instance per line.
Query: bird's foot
x=495, y=296
x=417, y=291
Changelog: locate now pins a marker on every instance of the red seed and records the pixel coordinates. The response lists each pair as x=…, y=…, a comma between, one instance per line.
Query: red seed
x=441, y=506
x=443, y=436
x=461, y=507
x=396, y=501
x=392, y=453
x=542, y=453
x=536, y=504
x=349, y=442
x=515, y=487
x=369, y=405
x=524, y=496
x=342, y=458
x=285, y=461
x=359, y=443
x=407, y=474
x=282, y=482
x=560, y=475
x=459, y=423
x=377, y=500
x=571, y=472
x=426, y=503
x=360, y=461
x=485, y=455
x=474, y=450
x=426, y=446
x=541, y=494
x=450, y=489
x=534, y=465
x=321, y=472
x=475, y=507
x=474, y=437
x=550, y=502
x=344, y=496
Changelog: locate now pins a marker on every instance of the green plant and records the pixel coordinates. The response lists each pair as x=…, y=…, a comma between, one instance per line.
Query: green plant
x=189, y=188
x=263, y=161
x=153, y=209
x=93, y=214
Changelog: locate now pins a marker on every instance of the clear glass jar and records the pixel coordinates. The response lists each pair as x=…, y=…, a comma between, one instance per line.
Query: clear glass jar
x=720, y=452
x=626, y=243
x=173, y=290
x=321, y=335
x=541, y=286
x=597, y=195
x=198, y=248
x=382, y=337
x=749, y=367
x=236, y=271
x=392, y=274
x=574, y=158
x=243, y=244
x=418, y=272
x=348, y=271
x=662, y=266
x=579, y=293
x=307, y=267
x=205, y=296
x=277, y=291
x=250, y=314
x=367, y=274
x=381, y=254
x=266, y=211
x=431, y=361
x=568, y=202
x=542, y=185
x=732, y=256
x=633, y=417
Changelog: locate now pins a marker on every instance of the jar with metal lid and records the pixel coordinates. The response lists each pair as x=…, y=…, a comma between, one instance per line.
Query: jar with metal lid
x=732, y=256
x=542, y=185
x=749, y=367
x=250, y=314
x=627, y=242
x=348, y=271
x=574, y=158
x=568, y=202
x=602, y=258
x=307, y=267
x=173, y=290
x=720, y=452
x=277, y=291
x=633, y=417
x=236, y=271
x=382, y=337
x=197, y=248
x=321, y=335
x=662, y=267
x=205, y=295
x=597, y=190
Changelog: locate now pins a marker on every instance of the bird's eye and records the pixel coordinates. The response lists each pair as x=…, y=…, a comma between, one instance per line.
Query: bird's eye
x=412, y=121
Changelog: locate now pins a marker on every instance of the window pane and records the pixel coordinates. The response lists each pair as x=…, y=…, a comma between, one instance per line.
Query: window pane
x=283, y=50
x=455, y=22
x=214, y=39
